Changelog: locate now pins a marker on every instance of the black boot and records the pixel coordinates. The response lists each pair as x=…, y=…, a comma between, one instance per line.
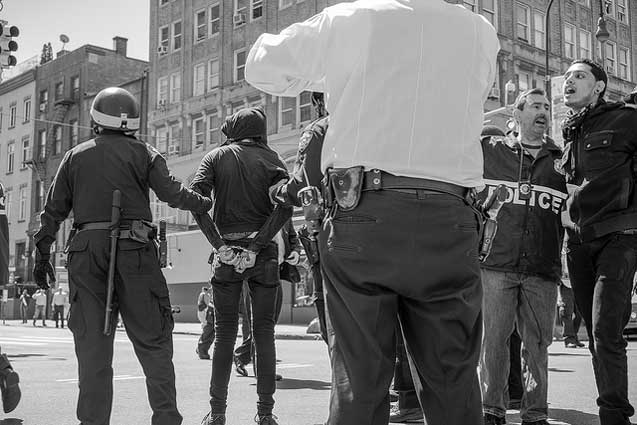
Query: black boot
x=9, y=385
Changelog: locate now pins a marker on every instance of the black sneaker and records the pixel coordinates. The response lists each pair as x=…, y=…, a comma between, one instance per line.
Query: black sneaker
x=214, y=419
x=10, y=390
x=266, y=420
x=239, y=367
x=490, y=419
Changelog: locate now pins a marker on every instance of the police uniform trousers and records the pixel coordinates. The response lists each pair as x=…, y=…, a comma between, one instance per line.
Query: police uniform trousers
x=141, y=296
x=602, y=273
x=410, y=257
x=263, y=284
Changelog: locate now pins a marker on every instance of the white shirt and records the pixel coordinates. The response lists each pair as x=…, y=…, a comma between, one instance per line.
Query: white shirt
x=405, y=80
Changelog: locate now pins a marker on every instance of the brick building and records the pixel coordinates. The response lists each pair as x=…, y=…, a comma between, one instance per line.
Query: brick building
x=65, y=87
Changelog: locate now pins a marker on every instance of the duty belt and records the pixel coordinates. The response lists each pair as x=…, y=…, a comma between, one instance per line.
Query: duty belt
x=124, y=232
x=381, y=180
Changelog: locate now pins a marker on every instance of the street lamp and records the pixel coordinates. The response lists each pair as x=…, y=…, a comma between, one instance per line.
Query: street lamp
x=547, y=46
x=509, y=87
x=602, y=35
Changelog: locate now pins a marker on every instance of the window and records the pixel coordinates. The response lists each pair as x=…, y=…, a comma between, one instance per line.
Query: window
x=257, y=9
x=523, y=16
x=585, y=46
x=623, y=61
x=305, y=107
x=175, y=88
x=26, y=152
x=201, y=30
x=489, y=11
x=59, y=90
x=198, y=133
x=57, y=142
x=7, y=203
x=174, y=140
x=199, y=79
x=163, y=2
x=27, y=110
x=239, y=65
x=23, y=203
x=42, y=144
x=213, y=129
x=287, y=109
x=39, y=195
x=621, y=11
x=10, y=156
x=213, y=74
x=569, y=40
x=75, y=87
x=74, y=133
x=12, y=115
x=177, y=35
x=470, y=4
x=539, y=33
x=285, y=3
x=164, y=36
x=1, y=115
x=524, y=81
x=162, y=91
x=44, y=100
x=214, y=19
x=610, y=7
x=610, y=58
x=162, y=140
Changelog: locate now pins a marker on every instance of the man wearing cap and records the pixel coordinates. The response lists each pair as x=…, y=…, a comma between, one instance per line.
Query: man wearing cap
x=521, y=274
x=242, y=172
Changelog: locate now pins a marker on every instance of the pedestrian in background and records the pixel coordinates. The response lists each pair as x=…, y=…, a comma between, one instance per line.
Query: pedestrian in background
x=207, y=336
x=58, y=303
x=24, y=305
x=402, y=244
x=203, y=300
x=601, y=222
x=40, y=306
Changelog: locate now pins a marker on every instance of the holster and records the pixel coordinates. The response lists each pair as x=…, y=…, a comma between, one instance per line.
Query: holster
x=142, y=231
x=345, y=185
x=310, y=245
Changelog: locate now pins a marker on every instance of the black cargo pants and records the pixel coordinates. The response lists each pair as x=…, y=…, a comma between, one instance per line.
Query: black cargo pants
x=411, y=257
x=142, y=299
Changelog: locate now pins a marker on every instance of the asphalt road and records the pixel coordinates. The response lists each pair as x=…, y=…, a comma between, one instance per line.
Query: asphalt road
x=45, y=360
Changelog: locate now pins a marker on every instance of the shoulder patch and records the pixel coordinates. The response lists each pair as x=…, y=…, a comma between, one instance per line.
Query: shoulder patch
x=306, y=137
x=497, y=139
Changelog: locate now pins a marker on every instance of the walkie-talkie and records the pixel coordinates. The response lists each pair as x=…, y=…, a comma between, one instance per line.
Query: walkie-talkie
x=163, y=244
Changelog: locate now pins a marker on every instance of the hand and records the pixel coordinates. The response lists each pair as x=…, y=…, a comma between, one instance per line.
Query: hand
x=293, y=258
x=227, y=255
x=247, y=259
x=42, y=269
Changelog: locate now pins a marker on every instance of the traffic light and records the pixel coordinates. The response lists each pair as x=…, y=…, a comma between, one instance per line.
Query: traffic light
x=7, y=44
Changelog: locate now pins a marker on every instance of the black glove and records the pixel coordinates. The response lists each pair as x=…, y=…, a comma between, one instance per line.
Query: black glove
x=42, y=269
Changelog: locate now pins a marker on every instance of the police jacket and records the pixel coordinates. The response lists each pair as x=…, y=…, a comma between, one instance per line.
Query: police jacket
x=599, y=161
x=307, y=166
x=91, y=171
x=530, y=234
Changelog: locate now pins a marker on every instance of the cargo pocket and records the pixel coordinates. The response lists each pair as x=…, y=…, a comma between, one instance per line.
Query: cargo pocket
x=76, y=322
x=74, y=260
x=164, y=320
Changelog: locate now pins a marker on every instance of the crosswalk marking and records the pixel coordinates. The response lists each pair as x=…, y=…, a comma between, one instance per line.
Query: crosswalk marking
x=115, y=378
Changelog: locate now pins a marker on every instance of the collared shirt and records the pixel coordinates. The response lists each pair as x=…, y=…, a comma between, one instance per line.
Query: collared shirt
x=406, y=81
x=59, y=298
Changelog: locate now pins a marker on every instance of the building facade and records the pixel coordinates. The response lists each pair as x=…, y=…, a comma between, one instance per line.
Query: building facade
x=16, y=144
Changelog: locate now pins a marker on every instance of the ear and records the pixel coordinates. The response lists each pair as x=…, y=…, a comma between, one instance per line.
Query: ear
x=599, y=87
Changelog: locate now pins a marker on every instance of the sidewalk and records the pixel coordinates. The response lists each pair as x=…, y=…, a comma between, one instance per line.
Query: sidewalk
x=280, y=331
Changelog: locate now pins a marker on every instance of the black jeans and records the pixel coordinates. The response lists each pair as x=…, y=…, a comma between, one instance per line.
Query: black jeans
x=413, y=258
x=263, y=283
x=602, y=274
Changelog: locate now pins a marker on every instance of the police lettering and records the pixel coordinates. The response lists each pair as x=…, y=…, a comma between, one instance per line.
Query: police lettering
x=540, y=198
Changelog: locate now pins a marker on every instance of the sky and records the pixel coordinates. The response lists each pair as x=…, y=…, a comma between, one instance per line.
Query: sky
x=83, y=21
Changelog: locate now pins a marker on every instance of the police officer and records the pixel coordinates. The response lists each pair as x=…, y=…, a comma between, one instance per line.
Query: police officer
x=242, y=172
x=599, y=161
x=307, y=172
x=85, y=182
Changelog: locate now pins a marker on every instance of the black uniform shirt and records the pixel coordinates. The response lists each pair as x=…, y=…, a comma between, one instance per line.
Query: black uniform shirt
x=91, y=171
x=241, y=174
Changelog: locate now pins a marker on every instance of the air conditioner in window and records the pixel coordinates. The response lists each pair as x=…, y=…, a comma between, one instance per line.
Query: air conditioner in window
x=42, y=107
x=239, y=19
x=162, y=50
x=494, y=93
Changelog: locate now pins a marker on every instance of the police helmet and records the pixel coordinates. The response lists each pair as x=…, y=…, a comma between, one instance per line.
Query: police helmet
x=115, y=109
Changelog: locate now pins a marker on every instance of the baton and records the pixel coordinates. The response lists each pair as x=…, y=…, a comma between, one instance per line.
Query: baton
x=114, y=227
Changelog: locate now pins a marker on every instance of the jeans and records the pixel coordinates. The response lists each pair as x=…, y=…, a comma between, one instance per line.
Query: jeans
x=408, y=257
x=530, y=301
x=58, y=314
x=263, y=284
x=602, y=274
x=569, y=315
